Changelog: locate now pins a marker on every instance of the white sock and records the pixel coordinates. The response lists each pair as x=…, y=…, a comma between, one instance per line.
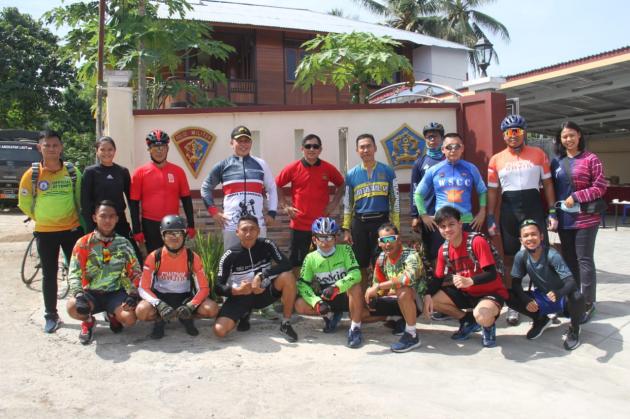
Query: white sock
x=411, y=329
x=393, y=318
x=354, y=325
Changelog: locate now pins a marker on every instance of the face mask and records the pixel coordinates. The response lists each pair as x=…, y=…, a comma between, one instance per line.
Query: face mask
x=574, y=209
x=328, y=253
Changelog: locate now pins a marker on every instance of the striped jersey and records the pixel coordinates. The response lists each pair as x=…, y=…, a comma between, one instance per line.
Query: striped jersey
x=518, y=171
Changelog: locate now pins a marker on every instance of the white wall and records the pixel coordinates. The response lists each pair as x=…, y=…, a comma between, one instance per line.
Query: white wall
x=445, y=66
x=276, y=133
x=614, y=154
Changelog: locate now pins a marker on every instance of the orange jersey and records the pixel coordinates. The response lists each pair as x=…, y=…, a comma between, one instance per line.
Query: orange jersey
x=518, y=171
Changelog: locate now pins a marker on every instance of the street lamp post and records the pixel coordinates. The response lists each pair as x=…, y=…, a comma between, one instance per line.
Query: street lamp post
x=483, y=51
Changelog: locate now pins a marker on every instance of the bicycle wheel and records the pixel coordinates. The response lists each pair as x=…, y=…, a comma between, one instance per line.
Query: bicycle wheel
x=63, y=285
x=30, y=263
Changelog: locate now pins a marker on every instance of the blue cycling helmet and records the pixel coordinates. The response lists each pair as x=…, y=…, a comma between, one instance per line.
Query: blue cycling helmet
x=433, y=126
x=513, y=121
x=324, y=226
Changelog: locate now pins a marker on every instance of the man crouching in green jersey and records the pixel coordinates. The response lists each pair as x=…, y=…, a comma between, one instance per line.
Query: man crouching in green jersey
x=329, y=282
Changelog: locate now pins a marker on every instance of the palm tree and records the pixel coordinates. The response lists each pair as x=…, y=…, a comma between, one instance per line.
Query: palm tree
x=409, y=15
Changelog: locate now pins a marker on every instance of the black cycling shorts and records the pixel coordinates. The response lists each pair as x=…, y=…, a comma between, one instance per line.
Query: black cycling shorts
x=387, y=306
x=465, y=301
x=515, y=208
x=236, y=306
x=365, y=239
x=300, y=246
x=174, y=299
x=106, y=301
x=340, y=304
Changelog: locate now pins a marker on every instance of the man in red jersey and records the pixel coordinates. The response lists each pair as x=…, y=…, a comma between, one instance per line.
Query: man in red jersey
x=157, y=187
x=309, y=178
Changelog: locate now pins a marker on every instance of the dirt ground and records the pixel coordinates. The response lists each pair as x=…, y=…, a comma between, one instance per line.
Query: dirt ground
x=258, y=374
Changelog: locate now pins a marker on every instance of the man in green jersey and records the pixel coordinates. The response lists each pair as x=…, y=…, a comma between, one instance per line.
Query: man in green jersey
x=330, y=280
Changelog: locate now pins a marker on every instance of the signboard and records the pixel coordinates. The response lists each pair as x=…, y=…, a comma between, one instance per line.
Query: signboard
x=403, y=147
x=194, y=144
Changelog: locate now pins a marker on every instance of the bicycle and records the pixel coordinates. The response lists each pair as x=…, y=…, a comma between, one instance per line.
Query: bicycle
x=31, y=266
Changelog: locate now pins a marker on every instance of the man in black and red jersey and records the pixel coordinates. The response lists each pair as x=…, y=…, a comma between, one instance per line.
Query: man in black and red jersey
x=156, y=189
x=309, y=178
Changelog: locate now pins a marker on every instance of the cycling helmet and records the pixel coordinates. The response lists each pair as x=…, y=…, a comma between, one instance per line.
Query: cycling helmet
x=172, y=223
x=433, y=126
x=324, y=226
x=157, y=137
x=513, y=121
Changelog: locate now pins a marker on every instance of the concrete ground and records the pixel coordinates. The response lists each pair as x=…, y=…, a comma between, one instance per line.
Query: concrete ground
x=258, y=374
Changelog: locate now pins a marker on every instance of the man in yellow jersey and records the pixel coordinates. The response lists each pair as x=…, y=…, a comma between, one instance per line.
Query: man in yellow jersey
x=50, y=195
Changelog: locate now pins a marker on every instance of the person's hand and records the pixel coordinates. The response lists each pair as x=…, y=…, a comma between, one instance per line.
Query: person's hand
x=479, y=219
x=532, y=306
x=191, y=232
x=166, y=312
x=292, y=212
x=416, y=225
x=131, y=301
x=427, y=308
x=244, y=289
x=220, y=219
x=269, y=220
x=186, y=311
x=552, y=296
x=322, y=308
x=256, y=282
x=347, y=237
x=569, y=202
x=371, y=293
x=492, y=225
x=81, y=303
x=138, y=237
x=329, y=293
x=428, y=221
x=462, y=281
x=552, y=222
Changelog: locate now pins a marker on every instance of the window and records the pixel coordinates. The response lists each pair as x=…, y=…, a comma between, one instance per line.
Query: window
x=293, y=54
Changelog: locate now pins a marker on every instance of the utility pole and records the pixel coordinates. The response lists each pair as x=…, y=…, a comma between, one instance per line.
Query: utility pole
x=99, y=82
x=142, y=80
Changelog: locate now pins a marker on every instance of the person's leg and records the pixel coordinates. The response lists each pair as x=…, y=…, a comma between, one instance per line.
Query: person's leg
x=576, y=307
x=567, y=243
x=299, y=246
x=48, y=246
x=584, y=250
x=71, y=307
x=232, y=310
x=286, y=285
x=486, y=312
x=152, y=236
x=303, y=308
x=127, y=318
x=362, y=250
x=223, y=326
x=67, y=241
x=146, y=312
x=356, y=303
x=443, y=303
x=407, y=303
x=208, y=309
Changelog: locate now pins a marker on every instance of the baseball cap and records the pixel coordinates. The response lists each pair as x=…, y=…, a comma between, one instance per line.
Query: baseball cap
x=241, y=131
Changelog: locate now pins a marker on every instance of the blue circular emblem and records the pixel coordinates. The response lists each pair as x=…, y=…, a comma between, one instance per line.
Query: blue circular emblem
x=43, y=185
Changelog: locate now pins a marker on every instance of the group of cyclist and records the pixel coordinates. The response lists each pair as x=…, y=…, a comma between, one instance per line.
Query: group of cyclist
x=455, y=271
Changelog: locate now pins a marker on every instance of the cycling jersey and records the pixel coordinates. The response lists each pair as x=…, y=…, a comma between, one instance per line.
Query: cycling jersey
x=405, y=270
x=420, y=167
x=239, y=264
x=548, y=273
x=173, y=277
x=104, y=182
x=452, y=184
x=244, y=180
x=106, y=266
x=159, y=189
x=309, y=189
x=515, y=172
x=318, y=272
x=376, y=194
x=56, y=203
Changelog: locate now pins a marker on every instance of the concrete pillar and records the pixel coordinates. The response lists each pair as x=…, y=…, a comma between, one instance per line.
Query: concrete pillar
x=119, y=124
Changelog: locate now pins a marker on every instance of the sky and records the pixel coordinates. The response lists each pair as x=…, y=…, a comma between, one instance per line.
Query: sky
x=542, y=32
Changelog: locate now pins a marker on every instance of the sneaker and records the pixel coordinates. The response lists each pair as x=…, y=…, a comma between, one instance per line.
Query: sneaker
x=406, y=343
x=114, y=325
x=158, y=330
x=489, y=336
x=440, y=317
x=572, y=339
x=189, y=325
x=269, y=313
x=243, y=323
x=52, y=324
x=465, y=330
x=355, y=338
x=588, y=314
x=554, y=318
x=513, y=317
x=538, y=327
x=287, y=331
x=331, y=323
x=87, y=329
x=399, y=327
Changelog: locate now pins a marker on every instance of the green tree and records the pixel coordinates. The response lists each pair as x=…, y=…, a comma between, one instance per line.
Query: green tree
x=352, y=60
x=167, y=44
x=33, y=73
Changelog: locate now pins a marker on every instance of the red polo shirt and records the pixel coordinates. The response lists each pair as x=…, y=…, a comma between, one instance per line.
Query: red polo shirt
x=309, y=189
x=159, y=189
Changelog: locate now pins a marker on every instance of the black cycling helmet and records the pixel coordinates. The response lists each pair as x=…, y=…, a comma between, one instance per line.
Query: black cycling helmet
x=157, y=137
x=513, y=121
x=433, y=126
x=172, y=223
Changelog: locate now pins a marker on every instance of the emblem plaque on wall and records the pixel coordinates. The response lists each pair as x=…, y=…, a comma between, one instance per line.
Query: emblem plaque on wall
x=403, y=146
x=194, y=144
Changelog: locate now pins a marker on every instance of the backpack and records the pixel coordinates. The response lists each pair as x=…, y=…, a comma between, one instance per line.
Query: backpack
x=498, y=260
x=72, y=172
x=190, y=256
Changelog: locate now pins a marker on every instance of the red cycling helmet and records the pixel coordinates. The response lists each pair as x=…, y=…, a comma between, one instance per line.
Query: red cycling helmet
x=157, y=137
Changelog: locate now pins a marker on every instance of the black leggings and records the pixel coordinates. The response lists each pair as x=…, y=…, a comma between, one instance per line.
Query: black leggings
x=48, y=245
x=574, y=309
x=578, y=247
x=152, y=236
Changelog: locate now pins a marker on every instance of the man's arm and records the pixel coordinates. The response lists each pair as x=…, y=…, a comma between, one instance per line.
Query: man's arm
x=25, y=195
x=394, y=202
x=87, y=203
x=201, y=282
x=415, y=180
x=270, y=187
x=305, y=290
x=75, y=273
x=338, y=180
x=353, y=273
x=283, y=264
x=221, y=286
x=348, y=205
x=188, y=210
x=208, y=185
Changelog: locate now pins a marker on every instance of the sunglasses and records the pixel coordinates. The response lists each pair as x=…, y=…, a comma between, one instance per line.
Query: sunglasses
x=388, y=239
x=513, y=132
x=174, y=233
x=431, y=136
x=452, y=147
x=325, y=238
x=312, y=146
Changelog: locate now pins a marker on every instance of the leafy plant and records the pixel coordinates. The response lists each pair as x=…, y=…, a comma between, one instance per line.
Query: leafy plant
x=209, y=247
